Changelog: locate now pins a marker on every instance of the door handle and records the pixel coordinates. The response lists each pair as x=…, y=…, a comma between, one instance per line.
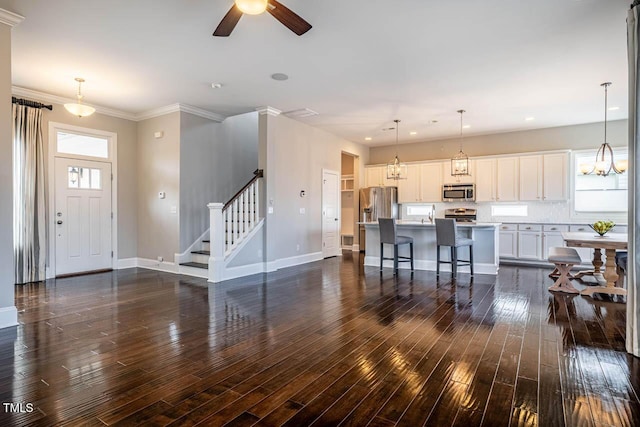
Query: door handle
x=59, y=222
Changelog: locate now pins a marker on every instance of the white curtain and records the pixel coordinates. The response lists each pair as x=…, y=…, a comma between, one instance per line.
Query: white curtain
x=29, y=195
x=633, y=267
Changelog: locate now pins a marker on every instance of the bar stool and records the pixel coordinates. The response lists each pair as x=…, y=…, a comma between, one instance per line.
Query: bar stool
x=447, y=235
x=389, y=236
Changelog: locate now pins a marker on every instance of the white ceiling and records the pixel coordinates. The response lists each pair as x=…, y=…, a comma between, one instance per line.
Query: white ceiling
x=364, y=63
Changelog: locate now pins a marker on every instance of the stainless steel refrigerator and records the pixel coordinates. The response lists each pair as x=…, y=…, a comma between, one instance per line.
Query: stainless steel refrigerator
x=376, y=202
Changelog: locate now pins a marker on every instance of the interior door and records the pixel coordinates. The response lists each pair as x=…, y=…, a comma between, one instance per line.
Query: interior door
x=82, y=217
x=330, y=213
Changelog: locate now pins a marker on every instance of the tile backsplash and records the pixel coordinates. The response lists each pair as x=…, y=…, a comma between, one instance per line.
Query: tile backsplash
x=547, y=212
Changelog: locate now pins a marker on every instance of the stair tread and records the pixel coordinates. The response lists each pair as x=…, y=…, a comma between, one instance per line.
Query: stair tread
x=201, y=252
x=206, y=241
x=195, y=264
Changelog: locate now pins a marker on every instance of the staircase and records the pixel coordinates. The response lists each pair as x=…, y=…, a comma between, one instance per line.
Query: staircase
x=231, y=224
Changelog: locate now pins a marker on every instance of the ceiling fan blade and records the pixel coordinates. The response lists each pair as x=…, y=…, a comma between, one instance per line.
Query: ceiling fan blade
x=228, y=23
x=288, y=18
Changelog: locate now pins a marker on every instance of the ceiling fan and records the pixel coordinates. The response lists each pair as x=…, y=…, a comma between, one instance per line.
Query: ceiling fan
x=255, y=7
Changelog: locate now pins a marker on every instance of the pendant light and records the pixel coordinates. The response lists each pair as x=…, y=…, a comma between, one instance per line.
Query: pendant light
x=395, y=169
x=460, y=163
x=605, y=164
x=79, y=109
x=251, y=7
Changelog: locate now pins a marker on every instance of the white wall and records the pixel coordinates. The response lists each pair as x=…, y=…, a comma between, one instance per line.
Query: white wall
x=294, y=155
x=7, y=304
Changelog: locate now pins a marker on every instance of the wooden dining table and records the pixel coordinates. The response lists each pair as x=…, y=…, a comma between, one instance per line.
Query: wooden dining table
x=610, y=242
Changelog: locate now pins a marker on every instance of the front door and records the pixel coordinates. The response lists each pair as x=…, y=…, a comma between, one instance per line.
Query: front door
x=330, y=213
x=82, y=216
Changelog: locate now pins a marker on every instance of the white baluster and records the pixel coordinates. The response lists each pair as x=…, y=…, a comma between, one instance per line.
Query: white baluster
x=227, y=222
x=250, y=206
x=235, y=222
x=241, y=219
x=257, y=203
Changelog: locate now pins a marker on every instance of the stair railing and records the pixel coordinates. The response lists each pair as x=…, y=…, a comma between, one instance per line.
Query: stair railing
x=231, y=222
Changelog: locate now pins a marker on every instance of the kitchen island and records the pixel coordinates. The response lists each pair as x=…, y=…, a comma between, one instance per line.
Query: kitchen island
x=485, y=246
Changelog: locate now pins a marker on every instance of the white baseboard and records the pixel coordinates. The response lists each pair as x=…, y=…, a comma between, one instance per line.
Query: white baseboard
x=244, y=270
x=8, y=317
x=293, y=261
x=127, y=263
x=478, y=268
x=355, y=248
x=151, y=264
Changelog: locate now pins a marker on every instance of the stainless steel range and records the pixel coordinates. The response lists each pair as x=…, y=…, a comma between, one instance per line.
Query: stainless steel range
x=461, y=214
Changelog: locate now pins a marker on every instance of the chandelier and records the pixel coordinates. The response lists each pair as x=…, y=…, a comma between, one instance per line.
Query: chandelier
x=78, y=108
x=396, y=169
x=460, y=163
x=604, y=164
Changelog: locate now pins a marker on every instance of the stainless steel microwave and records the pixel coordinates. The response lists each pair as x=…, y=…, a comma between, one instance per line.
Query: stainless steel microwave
x=458, y=192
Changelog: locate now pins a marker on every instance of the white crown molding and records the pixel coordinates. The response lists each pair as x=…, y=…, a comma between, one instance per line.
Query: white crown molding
x=201, y=113
x=268, y=110
x=9, y=18
x=54, y=99
x=156, y=112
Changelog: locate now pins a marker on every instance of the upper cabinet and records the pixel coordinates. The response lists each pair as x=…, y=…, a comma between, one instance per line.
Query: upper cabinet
x=447, y=178
x=496, y=179
x=423, y=184
x=376, y=176
x=544, y=177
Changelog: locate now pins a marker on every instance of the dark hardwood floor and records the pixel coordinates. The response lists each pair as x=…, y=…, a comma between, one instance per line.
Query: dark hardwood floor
x=323, y=344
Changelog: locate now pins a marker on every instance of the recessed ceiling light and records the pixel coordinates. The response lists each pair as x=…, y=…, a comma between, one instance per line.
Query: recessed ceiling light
x=614, y=108
x=216, y=85
x=433, y=121
x=529, y=119
x=413, y=133
x=368, y=138
x=466, y=126
x=280, y=77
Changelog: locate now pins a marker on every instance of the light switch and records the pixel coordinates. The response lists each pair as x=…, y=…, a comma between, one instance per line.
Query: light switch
x=303, y=211
x=270, y=209
x=173, y=210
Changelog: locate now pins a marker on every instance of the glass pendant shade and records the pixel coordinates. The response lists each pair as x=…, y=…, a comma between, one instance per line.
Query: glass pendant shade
x=78, y=108
x=252, y=7
x=460, y=163
x=396, y=169
x=605, y=163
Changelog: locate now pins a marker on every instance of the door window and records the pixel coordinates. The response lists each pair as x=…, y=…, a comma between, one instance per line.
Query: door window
x=84, y=178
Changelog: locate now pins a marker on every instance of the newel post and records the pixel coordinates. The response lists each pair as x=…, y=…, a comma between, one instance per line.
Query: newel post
x=216, y=238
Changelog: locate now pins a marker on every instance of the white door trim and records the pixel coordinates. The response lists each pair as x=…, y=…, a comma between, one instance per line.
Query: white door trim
x=338, y=210
x=54, y=127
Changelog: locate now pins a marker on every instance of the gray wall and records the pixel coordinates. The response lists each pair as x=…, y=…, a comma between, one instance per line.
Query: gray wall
x=6, y=178
x=216, y=161
x=575, y=137
x=295, y=154
x=158, y=169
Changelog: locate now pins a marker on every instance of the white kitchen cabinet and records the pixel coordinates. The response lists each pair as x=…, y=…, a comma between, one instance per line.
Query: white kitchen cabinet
x=529, y=241
x=485, y=170
x=423, y=184
x=508, y=241
x=555, y=176
x=507, y=179
x=447, y=178
x=376, y=176
x=431, y=182
x=531, y=178
x=409, y=189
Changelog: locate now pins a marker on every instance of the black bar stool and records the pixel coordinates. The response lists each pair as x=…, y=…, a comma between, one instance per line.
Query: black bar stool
x=447, y=235
x=388, y=235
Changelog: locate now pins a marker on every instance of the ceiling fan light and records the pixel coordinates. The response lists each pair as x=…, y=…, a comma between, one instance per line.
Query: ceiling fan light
x=80, y=110
x=252, y=7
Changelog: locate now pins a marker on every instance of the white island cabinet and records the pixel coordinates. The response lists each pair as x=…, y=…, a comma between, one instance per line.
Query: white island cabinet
x=485, y=246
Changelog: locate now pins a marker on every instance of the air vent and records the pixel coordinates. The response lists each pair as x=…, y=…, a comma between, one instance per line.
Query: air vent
x=302, y=112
